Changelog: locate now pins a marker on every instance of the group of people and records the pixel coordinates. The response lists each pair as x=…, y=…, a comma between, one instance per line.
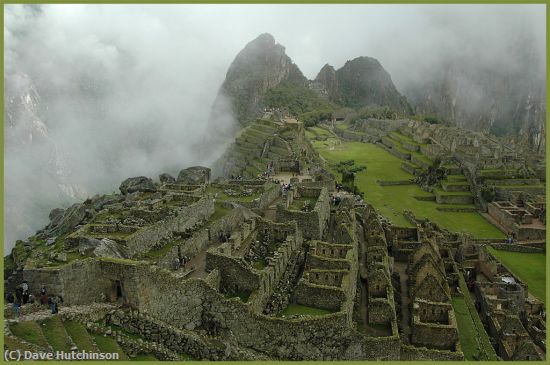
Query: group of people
x=23, y=296
x=285, y=188
x=180, y=262
x=335, y=199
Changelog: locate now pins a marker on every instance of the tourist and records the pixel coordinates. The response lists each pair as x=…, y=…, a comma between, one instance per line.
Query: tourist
x=54, y=303
x=43, y=296
x=17, y=303
x=176, y=264
x=25, y=295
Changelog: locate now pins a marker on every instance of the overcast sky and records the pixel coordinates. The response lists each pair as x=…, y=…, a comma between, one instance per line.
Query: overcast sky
x=128, y=88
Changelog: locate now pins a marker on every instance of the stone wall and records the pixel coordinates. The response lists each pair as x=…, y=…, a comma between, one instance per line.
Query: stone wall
x=189, y=248
x=236, y=276
x=411, y=353
x=454, y=199
x=147, y=237
x=380, y=310
x=312, y=223
x=517, y=248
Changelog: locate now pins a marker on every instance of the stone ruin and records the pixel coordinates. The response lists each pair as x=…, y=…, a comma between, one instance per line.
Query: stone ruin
x=238, y=269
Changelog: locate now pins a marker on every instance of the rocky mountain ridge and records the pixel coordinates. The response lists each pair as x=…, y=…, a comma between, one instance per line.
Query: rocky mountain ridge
x=263, y=65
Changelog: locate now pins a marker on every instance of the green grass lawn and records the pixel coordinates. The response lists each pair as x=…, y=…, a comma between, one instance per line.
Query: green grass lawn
x=80, y=335
x=29, y=331
x=529, y=267
x=55, y=334
x=108, y=344
x=297, y=309
x=144, y=357
x=320, y=131
x=392, y=200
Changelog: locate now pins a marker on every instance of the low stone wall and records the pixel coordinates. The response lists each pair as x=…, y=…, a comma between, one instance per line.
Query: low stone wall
x=410, y=168
x=412, y=353
x=395, y=182
x=320, y=262
x=419, y=162
x=440, y=336
x=177, y=340
x=319, y=296
x=380, y=310
x=454, y=199
x=462, y=210
x=529, y=234
x=517, y=248
x=410, y=146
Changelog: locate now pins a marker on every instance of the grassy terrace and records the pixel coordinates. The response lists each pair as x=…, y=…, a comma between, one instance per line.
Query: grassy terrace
x=392, y=200
x=474, y=346
x=302, y=310
x=529, y=267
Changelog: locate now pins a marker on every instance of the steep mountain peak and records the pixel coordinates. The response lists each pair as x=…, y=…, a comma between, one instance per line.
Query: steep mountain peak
x=261, y=65
x=363, y=81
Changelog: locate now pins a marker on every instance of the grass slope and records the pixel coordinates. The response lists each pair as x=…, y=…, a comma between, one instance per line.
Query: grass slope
x=55, y=334
x=529, y=267
x=29, y=331
x=108, y=344
x=79, y=335
x=392, y=200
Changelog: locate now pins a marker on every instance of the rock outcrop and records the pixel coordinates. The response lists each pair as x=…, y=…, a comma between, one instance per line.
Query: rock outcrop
x=140, y=183
x=194, y=175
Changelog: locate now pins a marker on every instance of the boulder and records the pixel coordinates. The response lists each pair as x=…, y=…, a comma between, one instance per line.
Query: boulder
x=167, y=178
x=134, y=184
x=194, y=175
x=108, y=248
x=99, y=201
x=69, y=220
x=55, y=216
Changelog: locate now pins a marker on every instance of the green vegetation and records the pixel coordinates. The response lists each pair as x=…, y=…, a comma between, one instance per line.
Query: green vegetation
x=302, y=310
x=392, y=200
x=474, y=346
x=306, y=104
x=144, y=357
x=187, y=357
x=376, y=112
x=79, y=335
x=486, y=351
x=55, y=334
x=219, y=212
x=529, y=267
x=243, y=295
x=15, y=344
x=108, y=344
x=29, y=331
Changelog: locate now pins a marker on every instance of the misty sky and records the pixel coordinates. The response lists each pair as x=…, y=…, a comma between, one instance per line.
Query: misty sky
x=126, y=90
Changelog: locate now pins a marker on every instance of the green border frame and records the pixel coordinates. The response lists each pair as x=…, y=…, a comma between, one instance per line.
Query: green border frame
x=345, y=2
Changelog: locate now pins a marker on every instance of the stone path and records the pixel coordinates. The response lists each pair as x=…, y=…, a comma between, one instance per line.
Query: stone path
x=77, y=309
